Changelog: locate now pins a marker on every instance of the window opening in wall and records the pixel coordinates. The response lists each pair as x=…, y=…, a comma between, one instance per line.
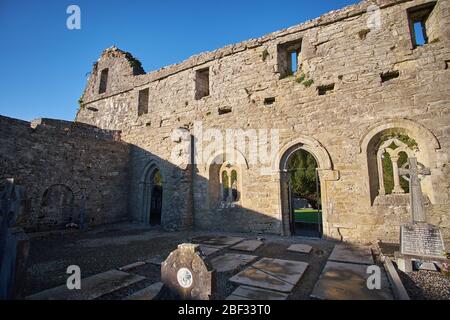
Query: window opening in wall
x=143, y=101
x=201, y=83
x=103, y=81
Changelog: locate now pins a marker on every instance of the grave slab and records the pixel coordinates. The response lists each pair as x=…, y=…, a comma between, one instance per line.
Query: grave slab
x=231, y=261
x=217, y=240
x=132, y=265
x=91, y=287
x=351, y=254
x=156, y=260
x=272, y=274
x=148, y=293
x=299, y=247
x=251, y=293
x=209, y=250
x=248, y=245
x=347, y=281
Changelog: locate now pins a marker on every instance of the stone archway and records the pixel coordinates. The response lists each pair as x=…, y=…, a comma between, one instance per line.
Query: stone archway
x=427, y=154
x=57, y=207
x=151, y=190
x=325, y=172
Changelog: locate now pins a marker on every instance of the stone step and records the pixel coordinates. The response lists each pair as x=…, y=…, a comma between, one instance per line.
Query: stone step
x=91, y=287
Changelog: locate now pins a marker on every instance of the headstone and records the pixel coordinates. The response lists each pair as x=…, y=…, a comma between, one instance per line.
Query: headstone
x=186, y=274
x=418, y=239
x=14, y=243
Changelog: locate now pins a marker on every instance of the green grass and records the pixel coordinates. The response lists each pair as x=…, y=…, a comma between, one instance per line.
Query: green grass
x=308, y=216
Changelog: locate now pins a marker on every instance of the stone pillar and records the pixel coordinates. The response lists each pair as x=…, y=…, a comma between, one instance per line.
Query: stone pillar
x=397, y=187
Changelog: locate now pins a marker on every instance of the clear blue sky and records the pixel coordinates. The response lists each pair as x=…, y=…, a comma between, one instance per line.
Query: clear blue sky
x=43, y=65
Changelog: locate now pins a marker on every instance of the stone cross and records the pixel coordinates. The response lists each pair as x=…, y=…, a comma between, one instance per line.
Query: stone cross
x=415, y=191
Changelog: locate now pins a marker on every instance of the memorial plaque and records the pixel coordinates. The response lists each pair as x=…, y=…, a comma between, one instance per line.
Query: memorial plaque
x=421, y=239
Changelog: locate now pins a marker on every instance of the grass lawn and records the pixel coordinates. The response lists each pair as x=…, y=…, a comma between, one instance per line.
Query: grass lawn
x=308, y=216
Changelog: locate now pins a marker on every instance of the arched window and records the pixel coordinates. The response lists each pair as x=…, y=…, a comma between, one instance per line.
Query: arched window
x=229, y=181
x=392, y=155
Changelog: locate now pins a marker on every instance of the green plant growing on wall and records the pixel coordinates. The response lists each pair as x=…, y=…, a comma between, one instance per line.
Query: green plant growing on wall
x=308, y=82
x=301, y=78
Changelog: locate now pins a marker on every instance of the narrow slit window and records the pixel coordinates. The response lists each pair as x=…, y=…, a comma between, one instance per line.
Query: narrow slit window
x=419, y=32
x=143, y=101
x=201, y=83
x=289, y=58
x=294, y=61
x=103, y=81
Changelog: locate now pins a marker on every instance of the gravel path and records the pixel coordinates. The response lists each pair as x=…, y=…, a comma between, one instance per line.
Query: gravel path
x=426, y=285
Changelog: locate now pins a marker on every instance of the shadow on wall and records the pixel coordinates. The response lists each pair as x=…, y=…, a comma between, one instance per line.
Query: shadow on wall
x=185, y=194
x=76, y=174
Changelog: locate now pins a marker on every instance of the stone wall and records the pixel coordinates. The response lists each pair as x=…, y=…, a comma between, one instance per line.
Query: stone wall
x=65, y=168
x=335, y=107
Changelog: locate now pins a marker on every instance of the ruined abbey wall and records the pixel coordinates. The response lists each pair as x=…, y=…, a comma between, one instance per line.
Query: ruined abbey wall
x=65, y=168
x=353, y=83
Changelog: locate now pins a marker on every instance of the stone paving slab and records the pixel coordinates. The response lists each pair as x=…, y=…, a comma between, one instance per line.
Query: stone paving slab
x=251, y=293
x=217, y=240
x=132, y=266
x=148, y=293
x=91, y=287
x=272, y=274
x=351, y=254
x=231, y=261
x=156, y=260
x=348, y=281
x=248, y=245
x=299, y=247
x=208, y=250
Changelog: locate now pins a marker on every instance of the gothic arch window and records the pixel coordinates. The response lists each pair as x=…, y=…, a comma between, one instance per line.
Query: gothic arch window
x=391, y=155
x=229, y=181
x=387, y=152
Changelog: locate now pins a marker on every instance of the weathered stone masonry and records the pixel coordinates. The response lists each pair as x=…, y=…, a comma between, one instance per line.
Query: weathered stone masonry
x=65, y=168
x=365, y=81
x=353, y=84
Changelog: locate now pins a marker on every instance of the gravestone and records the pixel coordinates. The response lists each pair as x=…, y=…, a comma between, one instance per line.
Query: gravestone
x=14, y=243
x=187, y=276
x=418, y=239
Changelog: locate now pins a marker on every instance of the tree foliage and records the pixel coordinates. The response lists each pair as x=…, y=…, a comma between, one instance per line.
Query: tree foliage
x=302, y=171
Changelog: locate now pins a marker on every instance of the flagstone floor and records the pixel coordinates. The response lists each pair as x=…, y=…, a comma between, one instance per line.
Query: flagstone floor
x=240, y=260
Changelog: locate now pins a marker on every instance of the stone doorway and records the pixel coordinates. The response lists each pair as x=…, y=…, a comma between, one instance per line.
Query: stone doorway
x=156, y=205
x=152, y=196
x=301, y=194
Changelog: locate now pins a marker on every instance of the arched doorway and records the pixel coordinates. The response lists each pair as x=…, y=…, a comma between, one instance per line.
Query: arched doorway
x=57, y=207
x=152, y=196
x=302, y=196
